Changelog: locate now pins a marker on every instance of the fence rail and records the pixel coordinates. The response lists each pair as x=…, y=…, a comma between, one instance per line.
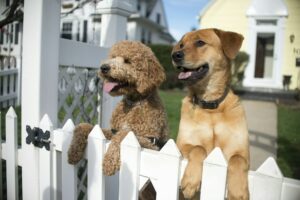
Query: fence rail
x=164, y=168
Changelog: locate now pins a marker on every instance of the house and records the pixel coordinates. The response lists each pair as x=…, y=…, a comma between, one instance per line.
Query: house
x=81, y=21
x=272, y=37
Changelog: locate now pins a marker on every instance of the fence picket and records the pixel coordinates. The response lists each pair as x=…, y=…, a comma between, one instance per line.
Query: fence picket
x=46, y=182
x=168, y=177
x=267, y=181
x=12, y=159
x=96, y=150
x=130, y=168
x=69, y=172
x=214, y=176
x=290, y=189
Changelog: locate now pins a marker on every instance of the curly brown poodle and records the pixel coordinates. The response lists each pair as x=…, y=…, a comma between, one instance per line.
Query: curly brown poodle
x=133, y=71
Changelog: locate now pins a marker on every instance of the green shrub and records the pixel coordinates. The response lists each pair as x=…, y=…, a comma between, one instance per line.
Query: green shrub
x=163, y=54
x=238, y=68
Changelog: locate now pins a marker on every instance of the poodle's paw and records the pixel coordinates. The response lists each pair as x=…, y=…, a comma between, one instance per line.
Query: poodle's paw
x=78, y=144
x=111, y=164
x=73, y=157
x=190, y=184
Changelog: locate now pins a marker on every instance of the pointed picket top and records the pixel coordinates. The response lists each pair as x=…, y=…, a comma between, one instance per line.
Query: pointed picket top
x=11, y=113
x=216, y=157
x=46, y=123
x=69, y=126
x=97, y=133
x=130, y=140
x=171, y=149
x=270, y=168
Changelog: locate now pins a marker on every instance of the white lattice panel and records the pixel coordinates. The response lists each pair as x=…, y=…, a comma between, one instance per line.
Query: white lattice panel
x=78, y=95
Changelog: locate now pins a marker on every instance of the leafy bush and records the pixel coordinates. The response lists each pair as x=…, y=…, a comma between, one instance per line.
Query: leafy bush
x=238, y=68
x=163, y=53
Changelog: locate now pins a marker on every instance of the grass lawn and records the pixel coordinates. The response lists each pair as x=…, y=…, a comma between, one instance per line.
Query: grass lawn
x=172, y=102
x=288, y=153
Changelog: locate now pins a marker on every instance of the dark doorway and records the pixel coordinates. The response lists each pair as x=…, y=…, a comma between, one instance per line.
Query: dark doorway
x=264, y=55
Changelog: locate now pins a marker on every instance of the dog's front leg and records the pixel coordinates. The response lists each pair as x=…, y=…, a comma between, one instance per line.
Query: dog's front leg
x=190, y=183
x=107, y=133
x=111, y=161
x=238, y=178
x=79, y=141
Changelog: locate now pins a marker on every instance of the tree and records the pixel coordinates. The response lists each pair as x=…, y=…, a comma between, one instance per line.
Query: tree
x=13, y=13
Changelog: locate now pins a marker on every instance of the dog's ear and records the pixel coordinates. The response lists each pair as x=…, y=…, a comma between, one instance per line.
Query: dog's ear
x=151, y=75
x=231, y=42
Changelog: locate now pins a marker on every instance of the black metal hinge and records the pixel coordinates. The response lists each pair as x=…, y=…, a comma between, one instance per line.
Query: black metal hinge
x=38, y=138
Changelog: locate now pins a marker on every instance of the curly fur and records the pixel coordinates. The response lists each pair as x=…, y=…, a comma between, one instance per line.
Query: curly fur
x=141, y=111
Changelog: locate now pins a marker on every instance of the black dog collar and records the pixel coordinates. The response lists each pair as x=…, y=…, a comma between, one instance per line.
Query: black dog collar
x=210, y=104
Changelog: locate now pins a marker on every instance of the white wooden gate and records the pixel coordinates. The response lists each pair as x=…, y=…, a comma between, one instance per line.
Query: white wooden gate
x=58, y=179
x=44, y=55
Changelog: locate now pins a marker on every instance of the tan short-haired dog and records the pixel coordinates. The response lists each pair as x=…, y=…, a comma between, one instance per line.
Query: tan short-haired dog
x=211, y=115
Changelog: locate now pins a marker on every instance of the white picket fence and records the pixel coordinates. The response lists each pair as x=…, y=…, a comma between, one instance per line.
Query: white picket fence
x=9, y=81
x=58, y=179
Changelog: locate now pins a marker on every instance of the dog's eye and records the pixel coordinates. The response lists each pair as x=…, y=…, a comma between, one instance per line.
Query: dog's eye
x=199, y=43
x=181, y=46
x=126, y=60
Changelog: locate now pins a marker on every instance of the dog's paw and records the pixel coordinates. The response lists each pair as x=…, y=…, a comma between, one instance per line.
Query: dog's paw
x=238, y=195
x=190, y=184
x=111, y=164
x=74, y=156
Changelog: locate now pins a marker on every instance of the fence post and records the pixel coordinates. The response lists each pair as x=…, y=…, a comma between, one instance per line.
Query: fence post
x=168, y=179
x=267, y=181
x=96, y=149
x=69, y=172
x=114, y=15
x=130, y=168
x=214, y=176
x=46, y=182
x=12, y=158
x=39, y=80
x=1, y=177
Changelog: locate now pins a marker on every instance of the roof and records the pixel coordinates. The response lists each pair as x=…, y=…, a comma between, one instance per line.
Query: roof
x=205, y=9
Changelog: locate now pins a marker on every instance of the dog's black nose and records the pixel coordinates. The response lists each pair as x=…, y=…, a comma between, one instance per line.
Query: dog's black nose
x=105, y=68
x=178, y=56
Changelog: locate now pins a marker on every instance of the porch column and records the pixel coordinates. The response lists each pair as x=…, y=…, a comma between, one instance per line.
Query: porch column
x=114, y=15
x=39, y=81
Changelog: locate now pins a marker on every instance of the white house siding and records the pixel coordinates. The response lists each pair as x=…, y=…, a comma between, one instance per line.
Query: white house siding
x=140, y=20
x=159, y=9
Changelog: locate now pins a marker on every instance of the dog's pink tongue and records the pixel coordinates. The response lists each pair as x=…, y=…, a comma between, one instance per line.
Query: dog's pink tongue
x=108, y=86
x=184, y=75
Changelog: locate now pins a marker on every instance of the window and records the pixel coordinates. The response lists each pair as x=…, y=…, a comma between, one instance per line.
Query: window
x=143, y=36
x=138, y=7
x=7, y=3
x=1, y=37
x=85, y=26
x=11, y=34
x=158, y=18
x=266, y=22
x=149, y=37
x=67, y=30
x=17, y=30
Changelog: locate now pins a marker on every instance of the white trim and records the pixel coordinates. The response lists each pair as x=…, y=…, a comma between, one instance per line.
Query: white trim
x=278, y=30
